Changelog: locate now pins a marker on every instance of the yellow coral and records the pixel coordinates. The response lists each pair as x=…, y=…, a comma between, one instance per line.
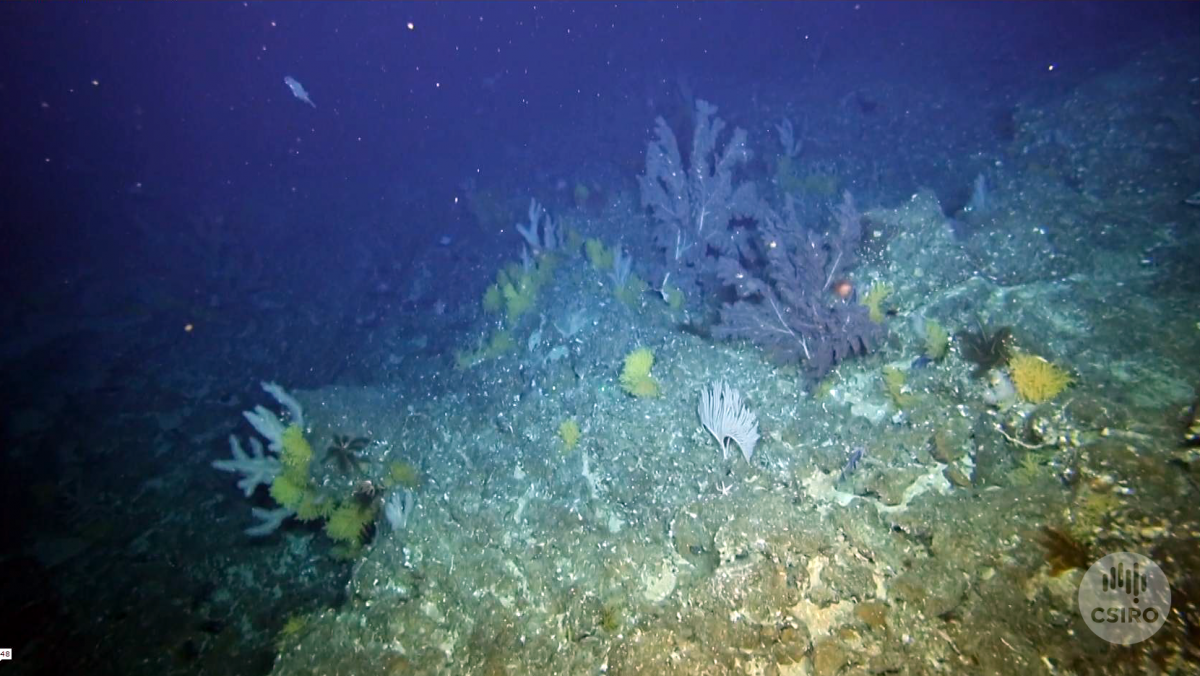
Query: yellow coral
x=937, y=340
x=493, y=299
x=635, y=376
x=313, y=507
x=825, y=387
x=569, y=432
x=294, y=625
x=499, y=343
x=519, y=298
x=600, y=255
x=404, y=473
x=1036, y=379
x=349, y=522
x=674, y=297
x=543, y=271
x=820, y=184
x=638, y=364
x=509, y=274
x=630, y=293
x=296, y=454
x=574, y=242
x=643, y=388
x=895, y=380
x=1091, y=508
x=1029, y=469
x=581, y=195
x=873, y=300
x=286, y=491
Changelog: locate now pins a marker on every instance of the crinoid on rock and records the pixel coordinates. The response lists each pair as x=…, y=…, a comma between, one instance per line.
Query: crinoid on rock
x=346, y=451
x=986, y=348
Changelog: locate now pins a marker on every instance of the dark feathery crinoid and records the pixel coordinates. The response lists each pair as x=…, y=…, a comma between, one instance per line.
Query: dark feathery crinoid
x=346, y=451
x=1063, y=550
x=988, y=349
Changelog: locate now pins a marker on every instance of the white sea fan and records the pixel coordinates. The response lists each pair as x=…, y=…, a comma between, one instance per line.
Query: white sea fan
x=397, y=508
x=723, y=415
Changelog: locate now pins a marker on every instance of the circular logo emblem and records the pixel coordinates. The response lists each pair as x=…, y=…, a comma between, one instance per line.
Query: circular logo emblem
x=1124, y=598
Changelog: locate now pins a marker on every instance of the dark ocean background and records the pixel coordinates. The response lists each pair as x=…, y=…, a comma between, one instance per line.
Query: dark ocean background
x=493, y=483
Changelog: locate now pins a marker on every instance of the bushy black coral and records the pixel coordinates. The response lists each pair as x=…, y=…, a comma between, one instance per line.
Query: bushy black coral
x=986, y=348
x=785, y=303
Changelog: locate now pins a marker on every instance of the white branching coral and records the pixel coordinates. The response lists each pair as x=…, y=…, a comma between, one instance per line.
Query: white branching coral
x=694, y=204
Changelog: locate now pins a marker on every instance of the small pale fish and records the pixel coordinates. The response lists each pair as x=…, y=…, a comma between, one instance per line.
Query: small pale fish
x=298, y=90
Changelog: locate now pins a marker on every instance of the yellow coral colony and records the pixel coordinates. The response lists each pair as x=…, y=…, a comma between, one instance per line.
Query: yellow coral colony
x=937, y=340
x=569, y=432
x=286, y=491
x=493, y=299
x=600, y=256
x=348, y=523
x=873, y=300
x=404, y=474
x=519, y=298
x=297, y=453
x=1036, y=379
x=894, y=380
x=635, y=377
x=291, y=487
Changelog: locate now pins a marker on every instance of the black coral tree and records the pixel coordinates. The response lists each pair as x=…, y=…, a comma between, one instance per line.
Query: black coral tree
x=784, y=287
